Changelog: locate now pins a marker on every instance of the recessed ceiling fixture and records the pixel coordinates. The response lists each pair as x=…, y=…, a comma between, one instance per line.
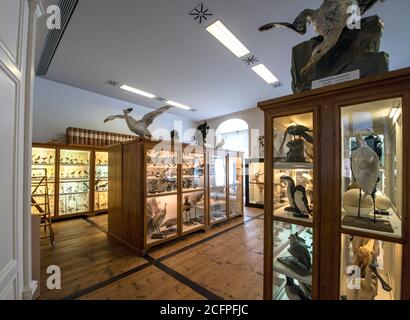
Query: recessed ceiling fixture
x=201, y=13
x=178, y=105
x=137, y=91
x=222, y=34
x=250, y=60
x=265, y=74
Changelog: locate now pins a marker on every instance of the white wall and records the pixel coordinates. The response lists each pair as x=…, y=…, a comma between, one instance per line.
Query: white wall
x=58, y=106
x=255, y=120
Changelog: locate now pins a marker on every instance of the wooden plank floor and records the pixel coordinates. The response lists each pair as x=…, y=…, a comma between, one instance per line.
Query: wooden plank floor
x=223, y=263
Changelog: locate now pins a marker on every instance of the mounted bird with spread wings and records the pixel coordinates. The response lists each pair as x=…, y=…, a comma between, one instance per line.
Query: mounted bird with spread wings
x=139, y=127
x=328, y=21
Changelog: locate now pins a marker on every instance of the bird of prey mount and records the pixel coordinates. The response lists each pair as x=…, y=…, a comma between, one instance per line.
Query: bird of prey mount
x=139, y=127
x=338, y=48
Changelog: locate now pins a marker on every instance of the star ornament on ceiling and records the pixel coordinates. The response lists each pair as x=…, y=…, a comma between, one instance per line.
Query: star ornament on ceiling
x=251, y=60
x=201, y=13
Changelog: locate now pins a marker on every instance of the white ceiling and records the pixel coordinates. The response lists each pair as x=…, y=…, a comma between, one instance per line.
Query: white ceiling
x=154, y=45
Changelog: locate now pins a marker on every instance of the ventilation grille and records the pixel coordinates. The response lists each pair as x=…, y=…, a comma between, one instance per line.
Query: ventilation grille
x=54, y=36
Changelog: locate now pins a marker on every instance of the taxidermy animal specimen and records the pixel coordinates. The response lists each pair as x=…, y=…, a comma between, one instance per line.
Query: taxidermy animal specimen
x=293, y=291
x=174, y=136
x=299, y=250
x=201, y=133
x=298, y=201
x=169, y=224
x=139, y=127
x=328, y=22
x=155, y=218
x=297, y=131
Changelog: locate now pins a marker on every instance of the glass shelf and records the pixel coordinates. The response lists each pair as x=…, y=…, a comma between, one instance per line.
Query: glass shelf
x=293, y=172
x=372, y=168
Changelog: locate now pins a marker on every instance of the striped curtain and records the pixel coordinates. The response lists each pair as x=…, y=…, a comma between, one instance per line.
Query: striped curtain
x=77, y=136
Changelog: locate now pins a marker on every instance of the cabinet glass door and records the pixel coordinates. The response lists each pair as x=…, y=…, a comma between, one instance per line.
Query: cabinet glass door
x=101, y=181
x=74, y=187
x=235, y=185
x=42, y=158
x=256, y=182
x=193, y=191
x=162, y=196
x=217, y=187
x=372, y=167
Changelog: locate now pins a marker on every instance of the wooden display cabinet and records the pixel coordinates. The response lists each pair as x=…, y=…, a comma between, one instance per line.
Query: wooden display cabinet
x=342, y=223
x=74, y=172
x=160, y=192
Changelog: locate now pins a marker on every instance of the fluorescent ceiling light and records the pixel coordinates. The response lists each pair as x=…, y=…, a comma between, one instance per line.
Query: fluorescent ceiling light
x=265, y=74
x=222, y=34
x=137, y=91
x=177, y=105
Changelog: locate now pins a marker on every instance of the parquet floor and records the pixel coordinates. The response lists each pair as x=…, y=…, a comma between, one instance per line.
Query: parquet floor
x=225, y=262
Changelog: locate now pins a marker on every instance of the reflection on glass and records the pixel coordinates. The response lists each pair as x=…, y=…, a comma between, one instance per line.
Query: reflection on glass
x=293, y=167
x=162, y=218
x=256, y=182
x=235, y=186
x=74, y=185
x=161, y=172
x=372, y=167
x=370, y=269
x=217, y=183
x=42, y=158
x=101, y=181
x=292, y=262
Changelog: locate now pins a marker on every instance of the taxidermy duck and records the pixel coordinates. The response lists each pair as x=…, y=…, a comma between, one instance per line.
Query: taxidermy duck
x=139, y=127
x=328, y=22
x=365, y=166
x=297, y=131
x=293, y=291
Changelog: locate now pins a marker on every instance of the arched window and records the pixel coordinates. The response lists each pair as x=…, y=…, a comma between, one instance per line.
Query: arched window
x=235, y=133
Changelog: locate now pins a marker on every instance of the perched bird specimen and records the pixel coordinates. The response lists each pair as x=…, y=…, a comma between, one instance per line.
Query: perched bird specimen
x=328, y=22
x=174, y=136
x=201, y=133
x=297, y=131
x=155, y=217
x=293, y=291
x=139, y=127
x=299, y=250
x=298, y=201
x=220, y=144
x=169, y=224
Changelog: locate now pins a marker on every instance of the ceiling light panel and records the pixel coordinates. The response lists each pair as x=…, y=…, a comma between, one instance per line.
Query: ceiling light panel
x=137, y=91
x=178, y=105
x=223, y=35
x=265, y=74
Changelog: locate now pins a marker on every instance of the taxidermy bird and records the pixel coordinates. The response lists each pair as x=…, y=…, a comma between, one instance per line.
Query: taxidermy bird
x=155, y=216
x=301, y=201
x=365, y=166
x=174, y=136
x=368, y=288
x=328, y=22
x=297, y=131
x=299, y=204
x=201, y=133
x=293, y=291
x=299, y=250
x=139, y=127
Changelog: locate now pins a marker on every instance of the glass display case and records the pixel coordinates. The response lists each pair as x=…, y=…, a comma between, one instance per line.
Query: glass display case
x=162, y=195
x=372, y=167
x=101, y=181
x=254, y=182
x=292, y=261
x=235, y=173
x=193, y=192
x=293, y=167
x=74, y=182
x=217, y=187
x=43, y=158
x=370, y=269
